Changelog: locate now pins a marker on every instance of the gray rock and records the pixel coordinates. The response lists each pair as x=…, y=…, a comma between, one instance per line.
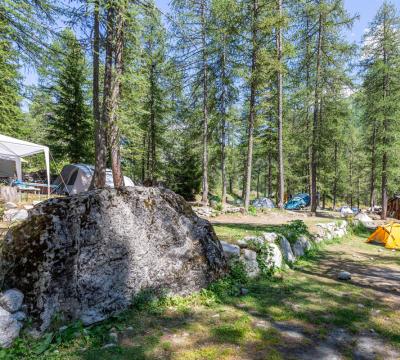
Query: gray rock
x=15, y=215
x=249, y=258
x=301, y=245
x=286, y=249
x=344, y=275
x=270, y=237
x=252, y=240
x=274, y=258
x=86, y=256
x=10, y=205
x=9, y=328
x=19, y=316
x=11, y=300
x=230, y=250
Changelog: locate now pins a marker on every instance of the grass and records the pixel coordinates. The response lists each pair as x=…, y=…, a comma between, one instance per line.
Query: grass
x=219, y=324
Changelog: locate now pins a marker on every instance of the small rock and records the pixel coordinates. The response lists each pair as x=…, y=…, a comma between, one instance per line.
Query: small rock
x=10, y=205
x=344, y=275
x=371, y=330
x=9, y=328
x=107, y=346
x=249, y=258
x=244, y=291
x=274, y=258
x=286, y=250
x=113, y=336
x=28, y=207
x=270, y=236
x=301, y=245
x=11, y=300
x=15, y=215
x=19, y=316
x=230, y=250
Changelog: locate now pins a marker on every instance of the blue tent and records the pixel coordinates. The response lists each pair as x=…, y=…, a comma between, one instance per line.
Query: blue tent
x=298, y=201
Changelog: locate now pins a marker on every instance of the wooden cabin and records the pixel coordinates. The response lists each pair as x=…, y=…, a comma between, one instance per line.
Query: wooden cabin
x=393, y=209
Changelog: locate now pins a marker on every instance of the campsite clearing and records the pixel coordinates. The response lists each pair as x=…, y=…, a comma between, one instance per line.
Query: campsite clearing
x=302, y=313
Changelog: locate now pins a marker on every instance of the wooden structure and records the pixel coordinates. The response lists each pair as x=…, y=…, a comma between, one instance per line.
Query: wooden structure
x=393, y=209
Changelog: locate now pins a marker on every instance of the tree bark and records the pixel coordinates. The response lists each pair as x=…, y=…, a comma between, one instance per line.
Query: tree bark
x=373, y=167
x=385, y=128
x=315, y=130
x=119, y=13
x=223, y=127
x=335, y=180
x=99, y=176
x=281, y=176
x=205, y=109
x=152, y=135
x=250, y=130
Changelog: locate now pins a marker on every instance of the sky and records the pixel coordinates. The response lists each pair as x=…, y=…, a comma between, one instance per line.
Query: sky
x=365, y=9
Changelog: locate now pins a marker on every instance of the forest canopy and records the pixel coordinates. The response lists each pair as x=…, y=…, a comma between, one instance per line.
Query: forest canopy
x=229, y=99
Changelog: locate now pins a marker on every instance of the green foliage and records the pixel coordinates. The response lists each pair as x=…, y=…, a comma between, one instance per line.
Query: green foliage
x=66, y=114
x=294, y=229
x=252, y=210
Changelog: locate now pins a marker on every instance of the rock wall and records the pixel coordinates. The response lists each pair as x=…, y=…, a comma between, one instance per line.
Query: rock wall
x=276, y=248
x=86, y=256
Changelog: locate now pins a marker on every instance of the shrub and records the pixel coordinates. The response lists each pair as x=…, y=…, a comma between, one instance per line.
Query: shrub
x=252, y=210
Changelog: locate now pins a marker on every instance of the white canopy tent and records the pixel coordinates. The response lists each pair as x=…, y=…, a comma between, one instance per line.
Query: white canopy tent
x=16, y=150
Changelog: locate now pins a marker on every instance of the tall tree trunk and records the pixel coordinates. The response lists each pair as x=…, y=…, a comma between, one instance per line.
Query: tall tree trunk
x=144, y=158
x=223, y=126
x=385, y=128
x=152, y=135
x=373, y=168
x=335, y=180
x=281, y=177
x=119, y=13
x=315, y=132
x=205, y=109
x=99, y=176
x=252, y=103
x=308, y=119
x=269, y=174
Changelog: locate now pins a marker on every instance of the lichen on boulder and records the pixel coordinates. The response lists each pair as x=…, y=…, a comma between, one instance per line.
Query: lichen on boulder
x=86, y=256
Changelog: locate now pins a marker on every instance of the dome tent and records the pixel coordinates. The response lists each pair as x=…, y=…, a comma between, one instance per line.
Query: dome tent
x=76, y=178
x=388, y=234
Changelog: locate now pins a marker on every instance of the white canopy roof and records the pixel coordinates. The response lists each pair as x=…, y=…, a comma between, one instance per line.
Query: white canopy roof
x=15, y=149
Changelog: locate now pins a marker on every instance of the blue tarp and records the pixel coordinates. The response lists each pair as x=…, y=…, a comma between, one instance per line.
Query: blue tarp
x=298, y=201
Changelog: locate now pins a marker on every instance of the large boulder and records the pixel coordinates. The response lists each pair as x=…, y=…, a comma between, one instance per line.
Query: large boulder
x=86, y=256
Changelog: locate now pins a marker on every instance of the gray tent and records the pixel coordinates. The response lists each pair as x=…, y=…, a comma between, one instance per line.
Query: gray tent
x=76, y=178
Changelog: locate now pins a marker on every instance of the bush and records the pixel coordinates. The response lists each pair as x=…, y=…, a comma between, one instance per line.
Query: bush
x=252, y=210
x=294, y=229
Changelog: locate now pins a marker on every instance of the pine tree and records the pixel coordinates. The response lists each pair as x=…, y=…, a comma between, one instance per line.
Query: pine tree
x=64, y=78
x=10, y=111
x=382, y=94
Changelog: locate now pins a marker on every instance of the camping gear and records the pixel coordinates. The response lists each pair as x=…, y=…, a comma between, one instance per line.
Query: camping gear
x=263, y=203
x=388, y=234
x=15, y=150
x=76, y=178
x=298, y=201
x=345, y=211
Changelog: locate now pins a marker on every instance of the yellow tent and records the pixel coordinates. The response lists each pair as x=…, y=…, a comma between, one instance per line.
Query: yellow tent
x=388, y=234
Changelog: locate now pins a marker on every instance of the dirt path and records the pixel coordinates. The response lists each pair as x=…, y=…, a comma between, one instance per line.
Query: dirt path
x=375, y=278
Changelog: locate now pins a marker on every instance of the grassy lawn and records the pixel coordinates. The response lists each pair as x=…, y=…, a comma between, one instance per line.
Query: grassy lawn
x=280, y=316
